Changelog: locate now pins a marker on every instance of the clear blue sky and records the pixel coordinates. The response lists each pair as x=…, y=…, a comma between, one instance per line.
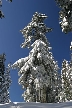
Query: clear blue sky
x=17, y=15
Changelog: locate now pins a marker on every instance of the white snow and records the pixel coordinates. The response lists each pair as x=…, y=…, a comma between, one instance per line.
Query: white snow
x=36, y=105
x=71, y=43
x=20, y=62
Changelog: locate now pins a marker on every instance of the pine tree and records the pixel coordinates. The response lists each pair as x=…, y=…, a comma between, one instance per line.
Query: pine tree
x=4, y=81
x=65, y=15
x=39, y=71
x=66, y=76
x=65, y=81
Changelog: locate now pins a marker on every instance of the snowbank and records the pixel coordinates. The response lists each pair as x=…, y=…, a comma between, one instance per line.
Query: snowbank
x=36, y=105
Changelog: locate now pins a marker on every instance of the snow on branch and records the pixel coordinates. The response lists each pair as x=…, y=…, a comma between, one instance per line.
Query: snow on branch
x=36, y=29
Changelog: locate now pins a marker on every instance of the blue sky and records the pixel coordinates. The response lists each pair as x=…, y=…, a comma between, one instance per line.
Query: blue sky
x=17, y=15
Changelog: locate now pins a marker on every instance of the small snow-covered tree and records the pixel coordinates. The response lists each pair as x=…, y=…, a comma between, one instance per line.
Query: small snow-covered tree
x=65, y=15
x=65, y=81
x=39, y=71
x=7, y=81
x=4, y=81
x=66, y=76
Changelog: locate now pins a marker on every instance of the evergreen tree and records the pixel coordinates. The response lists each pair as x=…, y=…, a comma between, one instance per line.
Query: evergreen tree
x=39, y=71
x=65, y=15
x=65, y=81
x=4, y=81
x=66, y=76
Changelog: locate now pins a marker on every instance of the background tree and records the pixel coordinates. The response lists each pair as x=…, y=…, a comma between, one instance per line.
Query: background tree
x=66, y=76
x=65, y=81
x=4, y=81
x=65, y=15
x=38, y=71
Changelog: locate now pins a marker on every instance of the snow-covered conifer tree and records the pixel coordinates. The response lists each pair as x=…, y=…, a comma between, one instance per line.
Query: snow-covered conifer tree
x=38, y=71
x=65, y=15
x=4, y=81
x=66, y=76
x=65, y=81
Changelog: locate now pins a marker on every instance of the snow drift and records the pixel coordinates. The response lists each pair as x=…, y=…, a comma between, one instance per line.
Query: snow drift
x=36, y=105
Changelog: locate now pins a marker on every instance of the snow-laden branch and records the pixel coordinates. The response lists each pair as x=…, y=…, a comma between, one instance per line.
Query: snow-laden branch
x=19, y=63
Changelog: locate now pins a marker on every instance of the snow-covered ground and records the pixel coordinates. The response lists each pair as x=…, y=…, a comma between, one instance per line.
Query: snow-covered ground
x=36, y=105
